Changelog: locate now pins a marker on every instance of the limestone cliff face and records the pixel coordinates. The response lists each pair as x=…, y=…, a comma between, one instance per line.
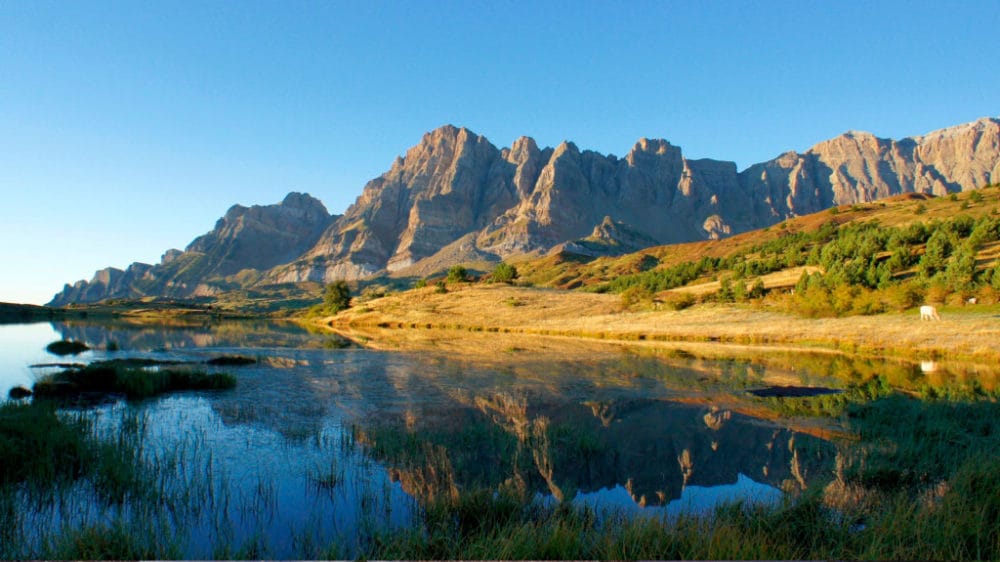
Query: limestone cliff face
x=456, y=186
x=106, y=282
x=857, y=167
x=246, y=238
x=452, y=183
x=261, y=237
x=456, y=197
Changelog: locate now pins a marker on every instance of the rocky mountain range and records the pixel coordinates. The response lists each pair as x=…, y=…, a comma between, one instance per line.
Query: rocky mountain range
x=246, y=242
x=455, y=197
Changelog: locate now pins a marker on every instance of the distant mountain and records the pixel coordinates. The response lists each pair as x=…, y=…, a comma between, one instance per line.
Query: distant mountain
x=246, y=241
x=455, y=197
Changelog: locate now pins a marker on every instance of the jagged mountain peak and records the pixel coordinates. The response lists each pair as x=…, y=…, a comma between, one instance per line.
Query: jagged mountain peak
x=258, y=237
x=455, y=196
x=565, y=147
x=445, y=135
x=655, y=146
x=983, y=124
x=297, y=200
x=523, y=143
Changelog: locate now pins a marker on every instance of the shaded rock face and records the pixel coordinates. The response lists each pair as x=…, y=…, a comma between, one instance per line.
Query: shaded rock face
x=246, y=238
x=261, y=237
x=457, y=197
x=106, y=282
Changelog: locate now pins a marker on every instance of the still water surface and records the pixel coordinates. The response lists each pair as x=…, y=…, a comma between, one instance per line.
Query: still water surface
x=319, y=445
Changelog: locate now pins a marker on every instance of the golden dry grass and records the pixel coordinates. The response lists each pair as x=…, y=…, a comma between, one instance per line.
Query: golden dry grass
x=969, y=333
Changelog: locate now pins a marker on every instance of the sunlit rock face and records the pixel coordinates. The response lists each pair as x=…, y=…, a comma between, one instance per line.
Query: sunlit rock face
x=858, y=167
x=456, y=186
x=249, y=239
x=455, y=197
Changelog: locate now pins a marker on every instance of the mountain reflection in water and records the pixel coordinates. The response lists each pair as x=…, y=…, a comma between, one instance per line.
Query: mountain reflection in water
x=616, y=430
x=652, y=448
x=555, y=428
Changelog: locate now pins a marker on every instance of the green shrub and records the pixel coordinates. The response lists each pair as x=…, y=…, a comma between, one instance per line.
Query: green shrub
x=504, y=273
x=457, y=274
x=134, y=382
x=679, y=300
x=904, y=296
x=634, y=296
x=337, y=297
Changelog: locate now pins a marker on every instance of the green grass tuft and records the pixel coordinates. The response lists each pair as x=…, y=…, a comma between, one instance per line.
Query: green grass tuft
x=134, y=382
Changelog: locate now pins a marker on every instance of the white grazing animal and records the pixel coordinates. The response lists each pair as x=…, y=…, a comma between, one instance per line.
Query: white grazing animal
x=928, y=312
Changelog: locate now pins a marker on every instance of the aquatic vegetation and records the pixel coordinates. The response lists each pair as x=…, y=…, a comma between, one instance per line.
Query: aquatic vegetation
x=67, y=347
x=231, y=360
x=39, y=447
x=438, y=458
x=832, y=405
x=931, y=493
x=122, y=378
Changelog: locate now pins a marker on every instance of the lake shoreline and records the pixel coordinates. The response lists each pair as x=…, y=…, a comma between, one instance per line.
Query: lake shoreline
x=965, y=333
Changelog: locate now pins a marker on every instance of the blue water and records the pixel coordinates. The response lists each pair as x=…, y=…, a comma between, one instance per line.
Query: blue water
x=321, y=446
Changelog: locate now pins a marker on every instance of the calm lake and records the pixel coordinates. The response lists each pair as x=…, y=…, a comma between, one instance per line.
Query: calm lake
x=322, y=445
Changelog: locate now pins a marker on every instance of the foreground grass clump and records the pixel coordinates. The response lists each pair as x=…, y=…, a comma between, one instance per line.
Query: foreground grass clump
x=56, y=459
x=134, y=382
x=913, y=443
x=38, y=446
x=921, y=481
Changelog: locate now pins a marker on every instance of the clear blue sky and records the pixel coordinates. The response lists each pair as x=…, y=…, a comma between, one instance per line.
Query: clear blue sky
x=127, y=128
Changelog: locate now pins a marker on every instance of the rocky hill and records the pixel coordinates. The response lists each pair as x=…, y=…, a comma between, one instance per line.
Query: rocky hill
x=455, y=197
x=244, y=242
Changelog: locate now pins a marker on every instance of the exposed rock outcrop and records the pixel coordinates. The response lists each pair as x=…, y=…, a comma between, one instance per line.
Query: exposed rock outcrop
x=455, y=197
x=253, y=238
x=858, y=167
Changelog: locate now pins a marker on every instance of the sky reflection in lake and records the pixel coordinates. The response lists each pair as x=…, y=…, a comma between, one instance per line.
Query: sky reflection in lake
x=318, y=442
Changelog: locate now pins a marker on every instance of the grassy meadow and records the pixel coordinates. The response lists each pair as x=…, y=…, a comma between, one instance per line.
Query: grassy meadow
x=917, y=470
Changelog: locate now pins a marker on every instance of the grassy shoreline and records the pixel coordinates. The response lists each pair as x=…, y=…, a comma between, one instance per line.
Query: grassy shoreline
x=964, y=333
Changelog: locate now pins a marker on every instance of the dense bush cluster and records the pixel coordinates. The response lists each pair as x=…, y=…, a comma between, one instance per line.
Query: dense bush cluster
x=866, y=268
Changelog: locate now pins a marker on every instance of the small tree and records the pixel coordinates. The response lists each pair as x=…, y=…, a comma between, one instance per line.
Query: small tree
x=504, y=273
x=725, y=293
x=337, y=296
x=457, y=274
x=936, y=253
